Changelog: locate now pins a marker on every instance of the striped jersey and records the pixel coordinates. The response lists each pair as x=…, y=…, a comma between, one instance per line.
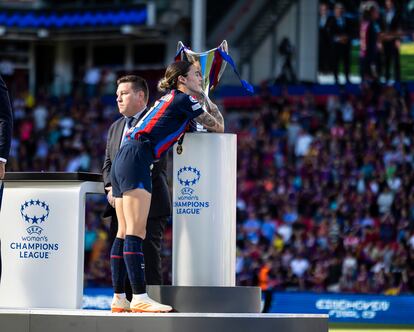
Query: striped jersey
x=166, y=121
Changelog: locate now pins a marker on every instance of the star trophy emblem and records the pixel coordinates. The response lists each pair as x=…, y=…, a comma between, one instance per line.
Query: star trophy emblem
x=34, y=212
x=212, y=64
x=188, y=176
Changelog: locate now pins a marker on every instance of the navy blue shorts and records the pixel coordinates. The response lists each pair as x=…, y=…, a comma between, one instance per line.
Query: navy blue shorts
x=132, y=167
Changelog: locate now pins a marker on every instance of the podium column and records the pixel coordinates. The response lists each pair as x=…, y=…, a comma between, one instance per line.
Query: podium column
x=204, y=211
x=42, y=229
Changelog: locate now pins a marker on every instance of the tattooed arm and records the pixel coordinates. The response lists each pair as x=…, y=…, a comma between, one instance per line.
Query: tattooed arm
x=212, y=119
x=210, y=123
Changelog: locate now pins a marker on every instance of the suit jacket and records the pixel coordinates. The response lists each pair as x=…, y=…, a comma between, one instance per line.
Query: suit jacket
x=6, y=121
x=160, y=202
x=337, y=30
x=324, y=33
x=394, y=25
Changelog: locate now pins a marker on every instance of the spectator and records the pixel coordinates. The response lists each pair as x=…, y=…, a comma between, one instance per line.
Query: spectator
x=346, y=200
x=341, y=42
x=385, y=200
x=91, y=80
x=299, y=265
x=303, y=144
x=391, y=40
x=40, y=114
x=251, y=228
x=324, y=42
x=287, y=73
x=268, y=228
x=369, y=42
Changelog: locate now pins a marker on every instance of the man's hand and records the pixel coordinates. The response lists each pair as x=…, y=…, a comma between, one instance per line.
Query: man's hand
x=109, y=197
x=2, y=170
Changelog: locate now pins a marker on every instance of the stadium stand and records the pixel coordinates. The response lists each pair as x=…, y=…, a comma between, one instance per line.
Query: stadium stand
x=325, y=199
x=325, y=172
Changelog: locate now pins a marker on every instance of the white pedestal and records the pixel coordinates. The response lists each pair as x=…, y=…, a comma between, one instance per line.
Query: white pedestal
x=204, y=211
x=42, y=224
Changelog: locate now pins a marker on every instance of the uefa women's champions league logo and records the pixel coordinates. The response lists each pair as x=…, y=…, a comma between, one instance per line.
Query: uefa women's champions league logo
x=34, y=212
x=188, y=176
x=187, y=201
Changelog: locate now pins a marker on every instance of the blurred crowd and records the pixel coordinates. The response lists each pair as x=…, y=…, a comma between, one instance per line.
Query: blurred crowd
x=46, y=127
x=325, y=191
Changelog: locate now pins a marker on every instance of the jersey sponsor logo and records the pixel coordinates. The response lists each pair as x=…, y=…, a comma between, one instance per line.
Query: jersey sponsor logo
x=195, y=107
x=192, y=99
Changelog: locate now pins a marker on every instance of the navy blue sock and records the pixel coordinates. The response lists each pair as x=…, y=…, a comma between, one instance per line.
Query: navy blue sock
x=134, y=260
x=118, y=267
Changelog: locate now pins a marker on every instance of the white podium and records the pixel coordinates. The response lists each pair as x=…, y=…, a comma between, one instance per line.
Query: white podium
x=204, y=211
x=42, y=224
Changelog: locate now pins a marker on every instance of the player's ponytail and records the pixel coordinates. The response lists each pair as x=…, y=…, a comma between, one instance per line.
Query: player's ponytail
x=174, y=70
x=163, y=85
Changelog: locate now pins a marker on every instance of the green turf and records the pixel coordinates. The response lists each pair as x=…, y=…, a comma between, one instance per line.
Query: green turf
x=406, y=58
x=367, y=327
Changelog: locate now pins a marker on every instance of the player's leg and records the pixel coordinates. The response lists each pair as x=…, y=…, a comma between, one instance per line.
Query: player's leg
x=118, y=267
x=136, y=205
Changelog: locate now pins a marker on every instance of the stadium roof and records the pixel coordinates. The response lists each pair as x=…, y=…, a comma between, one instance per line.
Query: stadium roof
x=73, y=19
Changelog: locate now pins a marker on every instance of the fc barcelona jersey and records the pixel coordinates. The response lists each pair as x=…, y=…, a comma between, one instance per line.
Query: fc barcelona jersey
x=166, y=121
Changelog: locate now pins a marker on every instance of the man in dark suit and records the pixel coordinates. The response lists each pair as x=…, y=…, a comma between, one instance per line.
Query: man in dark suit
x=341, y=42
x=133, y=108
x=391, y=40
x=6, y=125
x=324, y=41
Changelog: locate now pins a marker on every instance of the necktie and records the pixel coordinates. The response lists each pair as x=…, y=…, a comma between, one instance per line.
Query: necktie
x=131, y=122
